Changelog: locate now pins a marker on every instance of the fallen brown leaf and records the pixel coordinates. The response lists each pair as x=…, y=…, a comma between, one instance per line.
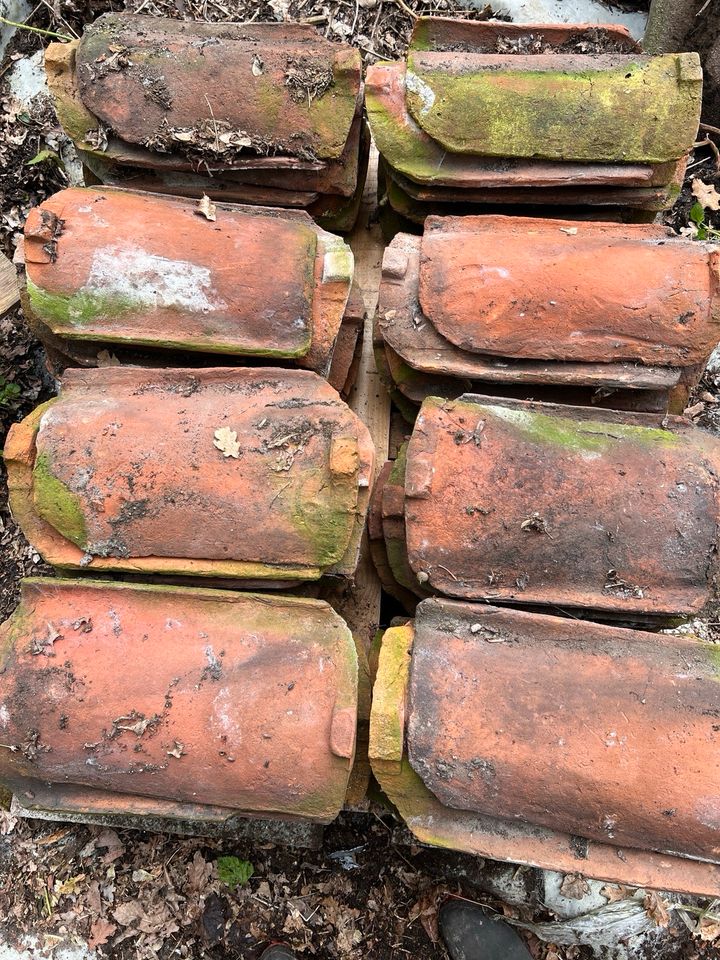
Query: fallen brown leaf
x=427, y=909
x=657, y=909
x=100, y=932
x=617, y=891
x=574, y=886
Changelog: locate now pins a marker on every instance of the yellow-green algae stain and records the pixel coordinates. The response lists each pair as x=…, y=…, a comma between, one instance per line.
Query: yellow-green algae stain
x=57, y=504
x=590, y=115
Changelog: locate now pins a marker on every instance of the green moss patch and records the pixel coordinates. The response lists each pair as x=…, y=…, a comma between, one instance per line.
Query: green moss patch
x=57, y=504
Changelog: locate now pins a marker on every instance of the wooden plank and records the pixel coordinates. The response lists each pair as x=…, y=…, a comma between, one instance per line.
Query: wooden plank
x=359, y=603
x=9, y=290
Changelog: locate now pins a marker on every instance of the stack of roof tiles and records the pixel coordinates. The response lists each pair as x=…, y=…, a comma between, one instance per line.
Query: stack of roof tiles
x=542, y=736
x=487, y=113
x=212, y=447
x=247, y=112
x=623, y=315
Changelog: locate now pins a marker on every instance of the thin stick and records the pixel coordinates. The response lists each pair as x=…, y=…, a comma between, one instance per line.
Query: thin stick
x=707, y=142
x=26, y=26
x=709, y=127
x=403, y=6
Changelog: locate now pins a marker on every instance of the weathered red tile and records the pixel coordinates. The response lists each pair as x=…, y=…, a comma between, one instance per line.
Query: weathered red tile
x=549, y=99
x=282, y=87
x=119, y=267
x=548, y=504
x=412, y=152
x=282, y=128
x=252, y=474
x=524, y=737
x=565, y=115
x=428, y=272
x=556, y=290
x=224, y=703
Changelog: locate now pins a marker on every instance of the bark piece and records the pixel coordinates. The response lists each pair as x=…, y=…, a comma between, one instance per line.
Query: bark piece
x=228, y=703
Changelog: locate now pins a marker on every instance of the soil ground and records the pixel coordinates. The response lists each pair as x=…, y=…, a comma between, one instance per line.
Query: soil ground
x=369, y=891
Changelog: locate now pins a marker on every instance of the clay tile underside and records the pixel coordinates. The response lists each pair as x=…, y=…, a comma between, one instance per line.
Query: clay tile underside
x=507, y=756
x=120, y=267
x=252, y=474
x=540, y=503
x=240, y=702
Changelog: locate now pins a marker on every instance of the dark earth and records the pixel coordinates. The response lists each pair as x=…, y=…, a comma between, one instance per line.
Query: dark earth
x=369, y=891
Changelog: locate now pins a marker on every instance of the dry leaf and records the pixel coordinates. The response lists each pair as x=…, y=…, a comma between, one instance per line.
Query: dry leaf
x=706, y=194
x=615, y=892
x=7, y=823
x=112, y=842
x=657, y=909
x=570, y=231
x=427, y=909
x=574, y=886
x=127, y=913
x=100, y=932
x=199, y=873
x=206, y=208
x=107, y=359
x=65, y=887
x=227, y=442
x=708, y=929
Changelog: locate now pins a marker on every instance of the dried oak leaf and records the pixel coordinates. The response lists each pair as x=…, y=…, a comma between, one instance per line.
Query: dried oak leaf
x=427, y=909
x=127, y=913
x=615, y=892
x=100, y=932
x=657, y=909
x=574, y=886
x=227, y=442
x=706, y=194
x=206, y=208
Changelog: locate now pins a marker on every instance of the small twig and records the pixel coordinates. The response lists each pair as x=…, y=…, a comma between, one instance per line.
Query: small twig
x=703, y=8
x=707, y=142
x=709, y=127
x=26, y=26
x=62, y=20
x=403, y=6
x=215, y=128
